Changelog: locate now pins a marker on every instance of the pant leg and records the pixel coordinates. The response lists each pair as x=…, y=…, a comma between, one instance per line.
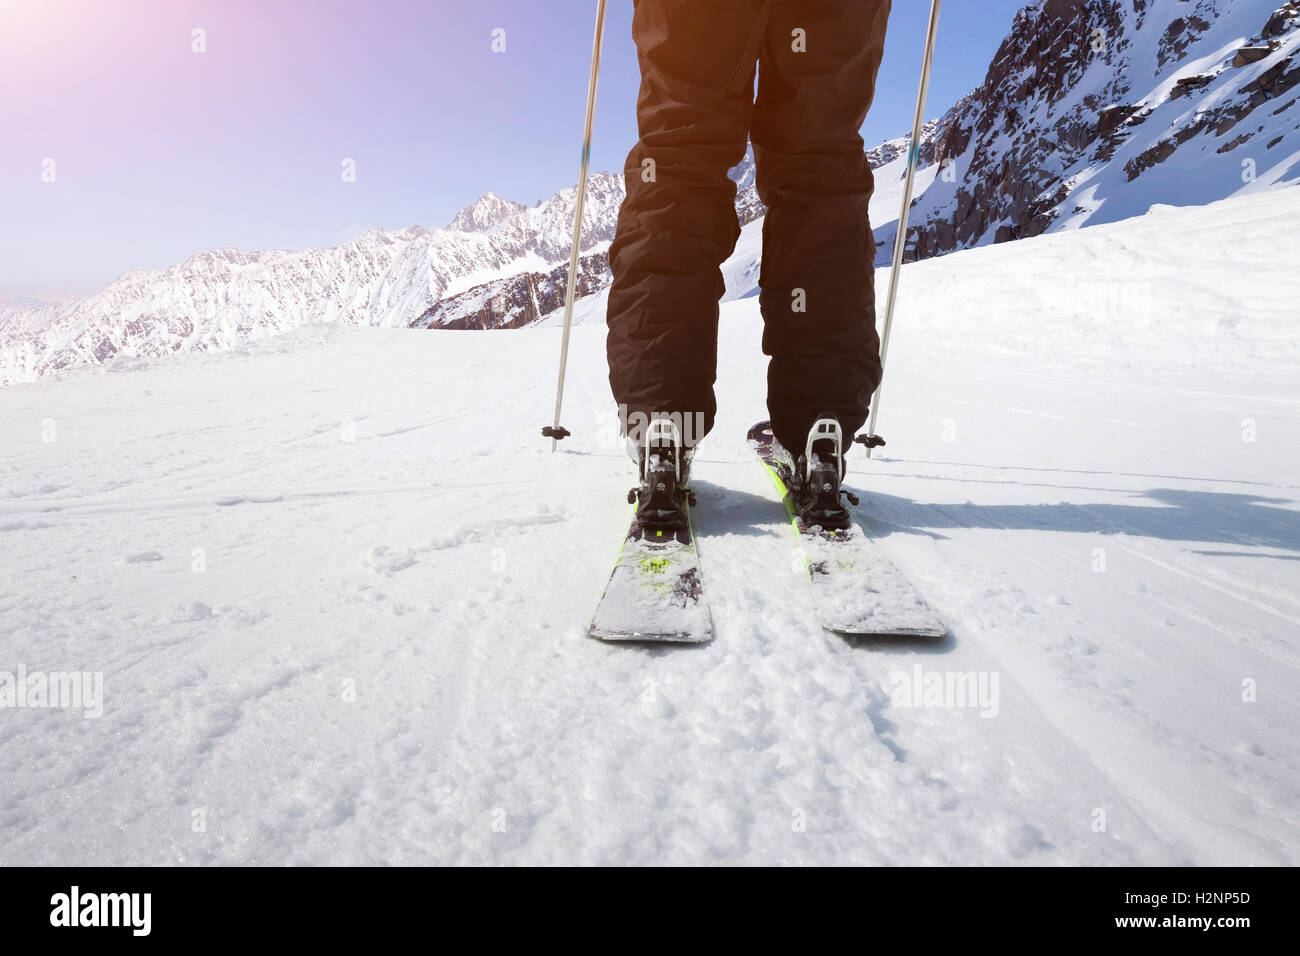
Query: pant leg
x=675, y=228
x=815, y=180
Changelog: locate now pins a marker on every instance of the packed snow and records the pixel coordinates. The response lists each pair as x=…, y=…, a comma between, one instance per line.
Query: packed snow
x=336, y=588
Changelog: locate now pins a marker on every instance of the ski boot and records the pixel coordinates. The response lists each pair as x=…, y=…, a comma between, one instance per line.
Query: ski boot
x=813, y=479
x=662, y=464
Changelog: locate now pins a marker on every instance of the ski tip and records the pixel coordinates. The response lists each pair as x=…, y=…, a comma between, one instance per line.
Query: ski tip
x=935, y=632
x=679, y=639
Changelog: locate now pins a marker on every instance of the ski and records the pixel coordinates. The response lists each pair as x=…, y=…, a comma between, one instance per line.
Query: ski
x=655, y=594
x=856, y=589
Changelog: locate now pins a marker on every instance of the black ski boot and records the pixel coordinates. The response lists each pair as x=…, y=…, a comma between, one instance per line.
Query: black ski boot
x=663, y=465
x=815, y=477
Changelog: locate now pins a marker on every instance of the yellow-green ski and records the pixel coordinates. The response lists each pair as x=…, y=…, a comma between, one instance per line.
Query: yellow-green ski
x=856, y=589
x=655, y=593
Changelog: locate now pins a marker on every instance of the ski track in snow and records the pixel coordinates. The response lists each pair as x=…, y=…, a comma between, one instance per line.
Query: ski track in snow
x=338, y=589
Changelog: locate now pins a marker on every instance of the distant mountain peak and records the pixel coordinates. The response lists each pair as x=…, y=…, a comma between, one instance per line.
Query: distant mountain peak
x=484, y=213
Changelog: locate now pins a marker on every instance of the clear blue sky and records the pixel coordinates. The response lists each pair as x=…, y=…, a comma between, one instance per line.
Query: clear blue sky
x=160, y=151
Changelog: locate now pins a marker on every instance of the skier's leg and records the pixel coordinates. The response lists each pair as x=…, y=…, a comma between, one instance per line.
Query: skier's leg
x=678, y=222
x=816, y=80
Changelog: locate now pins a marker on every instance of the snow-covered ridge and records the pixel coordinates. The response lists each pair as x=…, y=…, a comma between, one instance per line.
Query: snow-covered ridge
x=1093, y=110
x=221, y=298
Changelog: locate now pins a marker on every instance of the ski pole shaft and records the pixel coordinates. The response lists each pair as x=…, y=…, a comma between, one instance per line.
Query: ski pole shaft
x=597, y=43
x=900, y=240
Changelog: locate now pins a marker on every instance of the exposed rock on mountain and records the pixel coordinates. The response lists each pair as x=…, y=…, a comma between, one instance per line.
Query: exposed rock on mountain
x=516, y=301
x=1092, y=110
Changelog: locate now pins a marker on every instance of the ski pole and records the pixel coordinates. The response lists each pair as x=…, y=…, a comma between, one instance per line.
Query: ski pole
x=900, y=240
x=555, y=432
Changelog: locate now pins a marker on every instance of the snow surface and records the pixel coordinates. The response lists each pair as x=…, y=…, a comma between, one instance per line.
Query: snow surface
x=338, y=589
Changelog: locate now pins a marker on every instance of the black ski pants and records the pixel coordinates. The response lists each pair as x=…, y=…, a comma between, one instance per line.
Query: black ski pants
x=816, y=62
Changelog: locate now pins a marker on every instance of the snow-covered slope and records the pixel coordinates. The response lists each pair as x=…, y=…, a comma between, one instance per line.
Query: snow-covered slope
x=337, y=589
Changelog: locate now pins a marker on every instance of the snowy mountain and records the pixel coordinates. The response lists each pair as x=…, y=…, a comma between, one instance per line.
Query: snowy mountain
x=1091, y=112
x=337, y=590
x=488, y=211
x=221, y=298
